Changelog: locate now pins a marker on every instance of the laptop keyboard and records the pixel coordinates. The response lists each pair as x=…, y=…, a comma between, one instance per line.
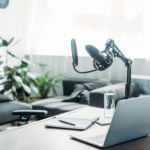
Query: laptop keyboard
x=97, y=139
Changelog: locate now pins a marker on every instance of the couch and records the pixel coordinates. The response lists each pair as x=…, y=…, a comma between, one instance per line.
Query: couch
x=91, y=92
x=78, y=92
x=75, y=95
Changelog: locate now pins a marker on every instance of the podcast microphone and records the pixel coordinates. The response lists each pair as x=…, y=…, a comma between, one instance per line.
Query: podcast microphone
x=102, y=60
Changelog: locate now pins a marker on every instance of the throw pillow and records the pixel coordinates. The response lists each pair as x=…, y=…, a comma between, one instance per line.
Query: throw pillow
x=95, y=85
x=78, y=88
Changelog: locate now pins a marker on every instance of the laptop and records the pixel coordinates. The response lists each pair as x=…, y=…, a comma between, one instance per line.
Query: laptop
x=130, y=121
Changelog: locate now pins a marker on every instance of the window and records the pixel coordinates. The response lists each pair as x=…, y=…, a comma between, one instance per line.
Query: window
x=92, y=22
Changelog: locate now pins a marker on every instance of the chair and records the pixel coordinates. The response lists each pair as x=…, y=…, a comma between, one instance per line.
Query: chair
x=12, y=110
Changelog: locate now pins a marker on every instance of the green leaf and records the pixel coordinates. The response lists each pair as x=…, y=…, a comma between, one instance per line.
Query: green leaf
x=11, y=54
x=31, y=75
x=7, y=86
x=24, y=61
x=34, y=89
x=10, y=41
x=26, y=88
x=24, y=64
x=4, y=42
x=18, y=81
x=6, y=68
x=54, y=92
x=21, y=71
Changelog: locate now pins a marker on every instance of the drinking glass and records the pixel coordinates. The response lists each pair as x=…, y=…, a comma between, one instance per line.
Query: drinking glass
x=109, y=105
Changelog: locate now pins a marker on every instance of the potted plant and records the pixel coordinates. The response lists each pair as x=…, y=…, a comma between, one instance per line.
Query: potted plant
x=19, y=82
x=16, y=81
x=47, y=83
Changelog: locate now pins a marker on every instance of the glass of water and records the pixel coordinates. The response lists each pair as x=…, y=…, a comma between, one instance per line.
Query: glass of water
x=109, y=105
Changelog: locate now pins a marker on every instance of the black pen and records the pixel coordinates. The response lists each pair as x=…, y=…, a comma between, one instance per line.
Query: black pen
x=66, y=122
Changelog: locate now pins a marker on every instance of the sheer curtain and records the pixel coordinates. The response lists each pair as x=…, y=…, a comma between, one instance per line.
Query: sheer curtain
x=91, y=22
x=17, y=21
x=46, y=27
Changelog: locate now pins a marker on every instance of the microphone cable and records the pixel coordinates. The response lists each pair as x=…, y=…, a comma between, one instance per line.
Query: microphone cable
x=83, y=71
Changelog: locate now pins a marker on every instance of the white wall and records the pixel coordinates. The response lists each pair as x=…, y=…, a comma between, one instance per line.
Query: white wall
x=63, y=65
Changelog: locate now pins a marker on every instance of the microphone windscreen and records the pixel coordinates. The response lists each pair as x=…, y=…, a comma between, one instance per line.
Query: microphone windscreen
x=74, y=52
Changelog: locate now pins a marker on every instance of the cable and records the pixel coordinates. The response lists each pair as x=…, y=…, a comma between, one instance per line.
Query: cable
x=84, y=71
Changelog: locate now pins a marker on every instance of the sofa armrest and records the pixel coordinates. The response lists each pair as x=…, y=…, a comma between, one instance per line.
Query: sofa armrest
x=97, y=96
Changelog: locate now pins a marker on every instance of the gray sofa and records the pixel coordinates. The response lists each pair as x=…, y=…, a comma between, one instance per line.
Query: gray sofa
x=76, y=95
x=90, y=92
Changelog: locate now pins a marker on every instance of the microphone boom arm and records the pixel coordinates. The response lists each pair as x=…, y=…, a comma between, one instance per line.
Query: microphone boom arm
x=111, y=46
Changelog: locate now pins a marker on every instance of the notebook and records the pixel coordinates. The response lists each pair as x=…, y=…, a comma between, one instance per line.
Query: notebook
x=71, y=123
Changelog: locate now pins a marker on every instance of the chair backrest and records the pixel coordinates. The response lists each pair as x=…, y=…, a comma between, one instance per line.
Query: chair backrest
x=6, y=109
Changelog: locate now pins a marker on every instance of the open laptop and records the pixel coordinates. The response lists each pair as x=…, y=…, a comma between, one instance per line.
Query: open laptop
x=130, y=121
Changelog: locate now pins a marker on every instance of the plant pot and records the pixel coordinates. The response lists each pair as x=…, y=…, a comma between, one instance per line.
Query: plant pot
x=34, y=99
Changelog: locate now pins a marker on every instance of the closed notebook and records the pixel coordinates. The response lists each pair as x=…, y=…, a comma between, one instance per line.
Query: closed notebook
x=71, y=123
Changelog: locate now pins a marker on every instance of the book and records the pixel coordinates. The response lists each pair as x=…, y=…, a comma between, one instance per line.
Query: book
x=71, y=123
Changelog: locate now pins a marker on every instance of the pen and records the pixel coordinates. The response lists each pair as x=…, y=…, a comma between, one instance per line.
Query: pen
x=66, y=122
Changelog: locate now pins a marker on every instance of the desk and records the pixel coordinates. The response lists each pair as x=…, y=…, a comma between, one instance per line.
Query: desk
x=35, y=136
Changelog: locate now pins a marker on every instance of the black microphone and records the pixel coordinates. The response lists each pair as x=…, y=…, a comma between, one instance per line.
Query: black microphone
x=102, y=60
x=74, y=52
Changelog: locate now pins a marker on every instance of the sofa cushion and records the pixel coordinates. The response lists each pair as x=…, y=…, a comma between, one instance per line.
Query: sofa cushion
x=4, y=98
x=94, y=85
x=83, y=90
x=69, y=84
x=85, y=97
x=55, y=108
